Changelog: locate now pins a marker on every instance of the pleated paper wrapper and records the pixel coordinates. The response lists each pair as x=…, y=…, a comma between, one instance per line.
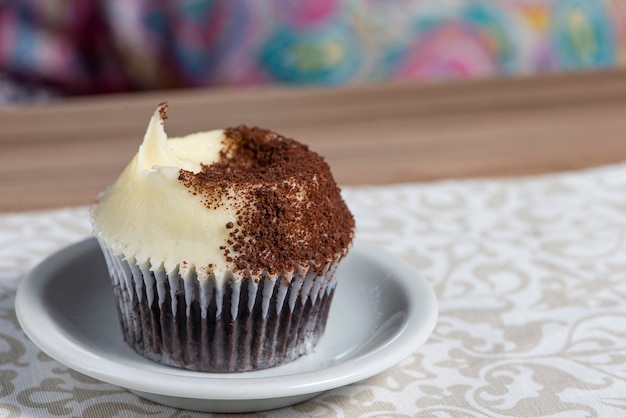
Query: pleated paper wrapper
x=220, y=324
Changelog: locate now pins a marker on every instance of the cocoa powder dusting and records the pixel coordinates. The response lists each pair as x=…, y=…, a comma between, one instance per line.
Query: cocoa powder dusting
x=289, y=208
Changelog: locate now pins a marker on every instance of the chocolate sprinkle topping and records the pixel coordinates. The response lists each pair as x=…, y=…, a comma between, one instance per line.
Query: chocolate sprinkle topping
x=289, y=209
x=163, y=110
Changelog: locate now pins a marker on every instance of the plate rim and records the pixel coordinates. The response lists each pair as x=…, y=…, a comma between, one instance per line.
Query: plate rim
x=415, y=330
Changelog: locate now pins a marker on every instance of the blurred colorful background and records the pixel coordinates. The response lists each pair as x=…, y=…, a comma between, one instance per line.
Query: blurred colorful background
x=54, y=48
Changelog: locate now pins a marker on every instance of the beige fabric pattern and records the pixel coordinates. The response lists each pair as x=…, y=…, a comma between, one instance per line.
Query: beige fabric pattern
x=530, y=274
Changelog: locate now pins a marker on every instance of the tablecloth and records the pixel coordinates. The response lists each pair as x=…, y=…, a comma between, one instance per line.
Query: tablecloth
x=530, y=274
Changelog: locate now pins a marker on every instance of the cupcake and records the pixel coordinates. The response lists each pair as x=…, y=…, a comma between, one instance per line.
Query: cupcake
x=222, y=247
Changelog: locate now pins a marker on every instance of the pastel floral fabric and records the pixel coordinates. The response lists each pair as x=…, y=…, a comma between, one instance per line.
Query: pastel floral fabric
x=93, y=46
x=530, y=275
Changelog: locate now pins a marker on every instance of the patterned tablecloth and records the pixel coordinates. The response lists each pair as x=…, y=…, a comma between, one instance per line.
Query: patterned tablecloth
x=530, y=274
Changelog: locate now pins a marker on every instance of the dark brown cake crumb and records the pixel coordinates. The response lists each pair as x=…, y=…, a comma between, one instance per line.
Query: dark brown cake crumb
x=163, y=108
x=289, y=208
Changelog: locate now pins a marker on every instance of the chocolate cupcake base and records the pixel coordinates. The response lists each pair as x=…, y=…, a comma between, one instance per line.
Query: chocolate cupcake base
x=220, y=325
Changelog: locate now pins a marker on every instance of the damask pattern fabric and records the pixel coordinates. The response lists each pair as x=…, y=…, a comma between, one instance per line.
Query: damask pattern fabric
x=94, y=46
x=530, y=274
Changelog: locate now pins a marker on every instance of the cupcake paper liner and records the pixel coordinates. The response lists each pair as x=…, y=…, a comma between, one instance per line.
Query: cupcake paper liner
x=220, y=324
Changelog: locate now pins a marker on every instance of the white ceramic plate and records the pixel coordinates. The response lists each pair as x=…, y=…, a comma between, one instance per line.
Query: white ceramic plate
x=381, y=313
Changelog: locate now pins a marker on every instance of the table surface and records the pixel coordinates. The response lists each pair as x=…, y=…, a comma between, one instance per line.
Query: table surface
x=529, y=272
x=64, y=153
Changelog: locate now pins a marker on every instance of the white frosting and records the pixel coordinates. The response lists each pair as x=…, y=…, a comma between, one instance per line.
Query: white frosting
x=150, y=218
